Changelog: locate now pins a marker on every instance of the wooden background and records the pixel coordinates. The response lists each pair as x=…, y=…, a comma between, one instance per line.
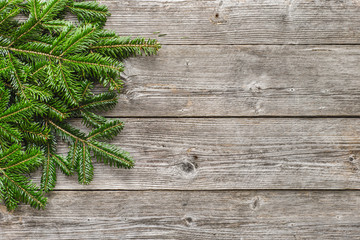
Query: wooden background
x=245, y=126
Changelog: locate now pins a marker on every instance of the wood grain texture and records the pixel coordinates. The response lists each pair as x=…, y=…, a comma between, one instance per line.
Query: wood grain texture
x=188, y=215
x=207, y=154
x=238, y=22
x=243, y=81
x=224, y=178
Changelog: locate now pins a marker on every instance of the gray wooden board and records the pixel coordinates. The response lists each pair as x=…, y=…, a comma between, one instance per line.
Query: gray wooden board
x=233, y=153
x=238, y=22
x=220, y=59
x=243, y=81
x=188, y=215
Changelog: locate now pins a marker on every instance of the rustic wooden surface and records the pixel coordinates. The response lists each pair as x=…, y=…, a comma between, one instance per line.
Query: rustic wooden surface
x=189, y=215
x=232, y=153
x=239, y=21
x=245, y=126
x=243, y=80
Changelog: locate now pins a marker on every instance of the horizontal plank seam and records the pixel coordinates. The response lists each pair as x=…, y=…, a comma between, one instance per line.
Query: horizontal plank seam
x=259, y=44
x=220, y=117
x=208, y=190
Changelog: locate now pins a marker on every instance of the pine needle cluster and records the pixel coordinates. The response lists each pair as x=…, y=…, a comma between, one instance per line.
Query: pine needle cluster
x=48, y=69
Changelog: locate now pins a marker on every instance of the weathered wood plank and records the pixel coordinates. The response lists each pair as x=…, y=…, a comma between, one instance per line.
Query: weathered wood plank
x=196, y=154
x=243, y=81
x=238, y=22
x=189, y=215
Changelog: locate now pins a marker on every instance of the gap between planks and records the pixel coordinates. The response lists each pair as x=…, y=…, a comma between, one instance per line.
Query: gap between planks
x=260, y=44
x=229, y=117
x=208, y=190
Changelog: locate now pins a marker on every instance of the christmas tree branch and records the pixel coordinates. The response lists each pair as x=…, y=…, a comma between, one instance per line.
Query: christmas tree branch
x=48, y=69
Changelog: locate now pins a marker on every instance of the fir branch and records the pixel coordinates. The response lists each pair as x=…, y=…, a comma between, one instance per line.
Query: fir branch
x=86, y=89
x=61, y=163
x=16, y=111
x=103, y=101
x=48, y=177
x=69, y=87
x=9, y=3
x=48, y=10
x=40, y=135
x=109, y=154
x=104, y=152
x=144, y=45
x=38, y=70
x=90, y=12
x=25, y=191
x=106, y=131
x=9, y=133
x=67, y=132
x=85, y=167
x=71, y=158
x=70, y=59
x=56, y=113
x=92, y=120
x=78, y=37
x=48, y=68
x=13, y=13
x=10, y=152
x=16, y=76
x=3, y=69
x=24, y=162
